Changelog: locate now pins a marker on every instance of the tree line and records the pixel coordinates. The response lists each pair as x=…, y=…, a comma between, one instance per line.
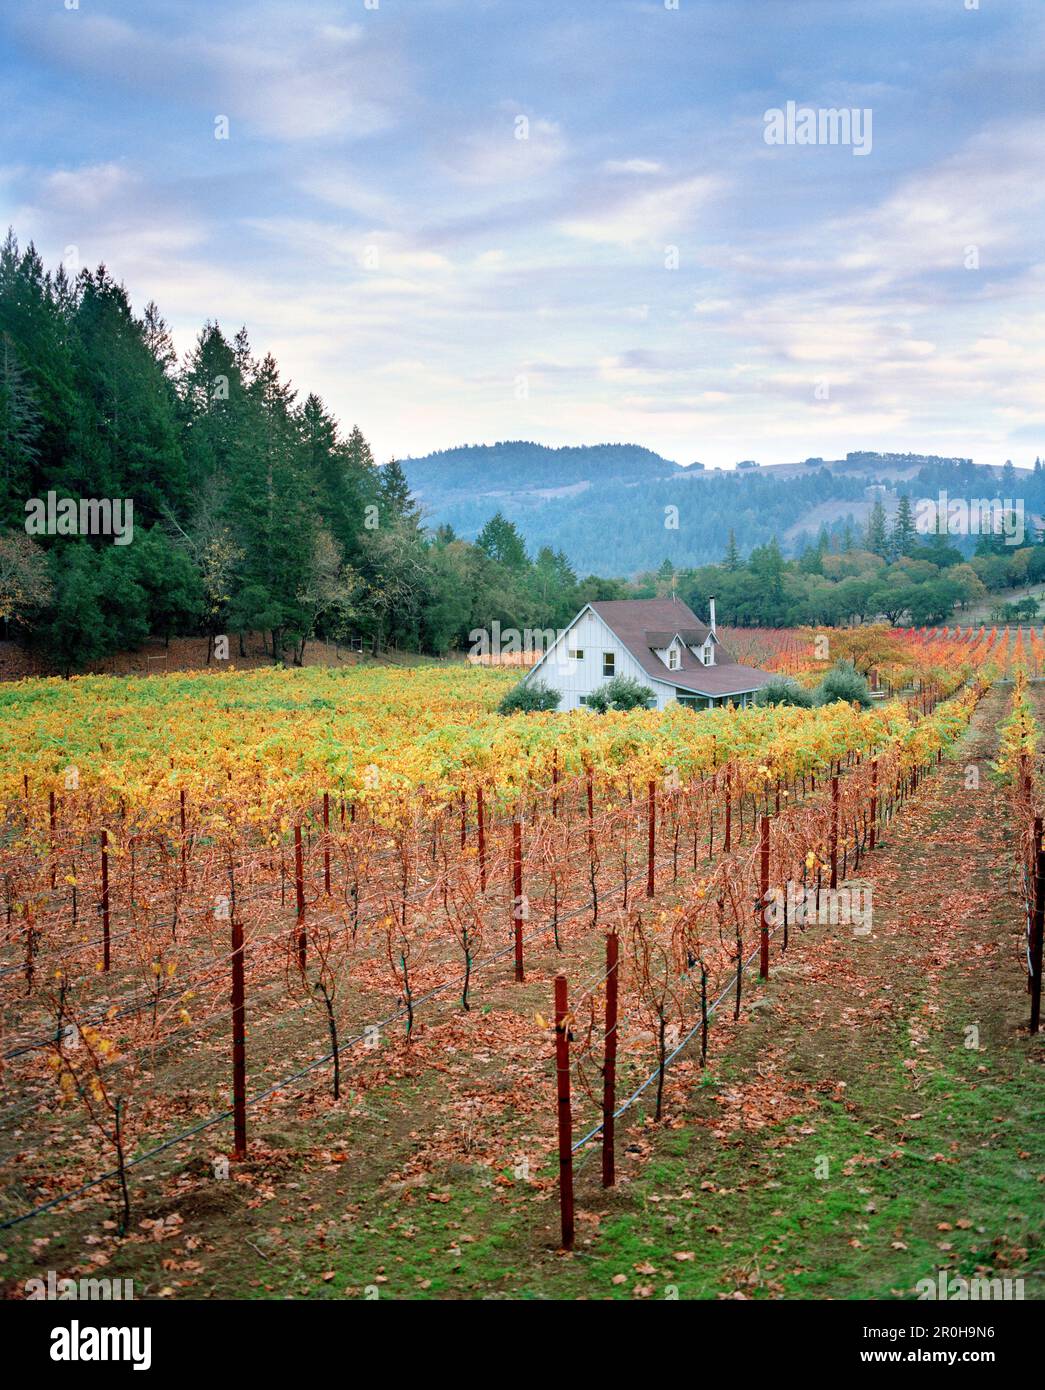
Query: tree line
x=254, y=512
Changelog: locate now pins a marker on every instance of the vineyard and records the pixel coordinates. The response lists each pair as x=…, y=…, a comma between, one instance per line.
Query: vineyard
x=266, y=930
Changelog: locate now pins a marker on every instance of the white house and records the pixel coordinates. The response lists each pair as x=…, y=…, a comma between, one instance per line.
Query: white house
x=659, y=642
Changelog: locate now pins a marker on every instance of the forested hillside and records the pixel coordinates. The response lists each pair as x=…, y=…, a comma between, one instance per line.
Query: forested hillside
x=654, y=510
x=254, y=511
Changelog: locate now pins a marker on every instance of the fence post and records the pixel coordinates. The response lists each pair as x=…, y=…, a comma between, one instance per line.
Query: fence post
x=651, y=831
x=517, y=891
x=729, y=808
x=555, y=781
x=609, y=1061
x=239, y=1045
x=834, y=832
x=1037, y=936
x=481, y=830
x=299, y=889
x=105, y=900
x=565, y=1117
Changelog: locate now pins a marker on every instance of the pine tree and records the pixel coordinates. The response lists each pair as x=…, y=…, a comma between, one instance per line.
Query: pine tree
x=877, y=538
x=500, y=539
x=732, y=560
x=397, y=507
x=905, y=534
x=19, y=431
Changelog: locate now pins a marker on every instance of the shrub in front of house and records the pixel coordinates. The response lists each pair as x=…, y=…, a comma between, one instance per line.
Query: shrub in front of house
x=844, y=682
x=529, y=699
x=622, y=692
x=784, y=691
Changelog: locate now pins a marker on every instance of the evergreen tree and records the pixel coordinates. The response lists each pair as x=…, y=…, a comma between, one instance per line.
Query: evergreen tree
x=905, y=534
x=500, y=539
x=732, y=560
x=396, y=505
x=19, y=430
x=877, y=538
x=74, y=632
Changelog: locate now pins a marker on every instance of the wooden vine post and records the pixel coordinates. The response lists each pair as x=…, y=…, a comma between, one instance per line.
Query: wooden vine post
x=609, y=1060
x=518, y=902
x=184, y=840
x=299, y=889
x=874, y=804
x=326, y=843
x=834, y=832
x=54, y=838
x=105, y=900
x=565, y=1116
x=1037, y=931
x=480, y=820
x=651, y=835
x=239, y=1043
x=763, y=901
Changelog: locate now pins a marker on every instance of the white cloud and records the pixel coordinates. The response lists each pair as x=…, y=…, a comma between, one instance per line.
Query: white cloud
x=286, y=72
x=87, y=189
x=651, y=217
x=632, y=166
x=509, y=153
x=979, y=197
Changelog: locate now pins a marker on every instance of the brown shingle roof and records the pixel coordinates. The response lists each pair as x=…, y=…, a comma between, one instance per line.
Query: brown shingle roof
x=641, y=624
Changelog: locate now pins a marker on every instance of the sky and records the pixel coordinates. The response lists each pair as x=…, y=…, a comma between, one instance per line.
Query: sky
x=461, y=221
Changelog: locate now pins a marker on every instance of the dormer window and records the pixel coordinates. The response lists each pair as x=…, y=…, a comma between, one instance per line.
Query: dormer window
x=674, y=658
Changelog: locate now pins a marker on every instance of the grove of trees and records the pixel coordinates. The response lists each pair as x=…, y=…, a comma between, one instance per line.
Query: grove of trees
x=255, y=512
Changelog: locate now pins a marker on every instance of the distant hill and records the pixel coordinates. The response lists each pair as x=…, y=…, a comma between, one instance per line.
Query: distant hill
x=609, y=506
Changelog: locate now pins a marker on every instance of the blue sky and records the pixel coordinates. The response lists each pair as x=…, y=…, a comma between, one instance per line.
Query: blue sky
x=376, y=223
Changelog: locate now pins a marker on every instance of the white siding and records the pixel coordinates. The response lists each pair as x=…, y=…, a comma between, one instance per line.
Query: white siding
x=573, y=679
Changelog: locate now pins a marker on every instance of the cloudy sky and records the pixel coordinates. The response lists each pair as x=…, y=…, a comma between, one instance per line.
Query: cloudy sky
x=641, y=267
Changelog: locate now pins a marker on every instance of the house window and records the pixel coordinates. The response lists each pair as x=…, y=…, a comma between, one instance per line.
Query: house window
x=608, y=661
x=578, y=655
x=673, y=659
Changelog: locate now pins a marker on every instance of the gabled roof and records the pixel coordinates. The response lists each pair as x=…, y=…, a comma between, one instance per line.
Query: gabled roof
x=689, y=636
x=641, y=623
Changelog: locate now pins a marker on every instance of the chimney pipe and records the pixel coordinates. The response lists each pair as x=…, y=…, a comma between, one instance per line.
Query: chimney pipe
x=711, y=612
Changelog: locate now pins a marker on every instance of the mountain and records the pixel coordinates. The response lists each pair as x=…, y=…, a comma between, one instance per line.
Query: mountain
x=616, y=509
